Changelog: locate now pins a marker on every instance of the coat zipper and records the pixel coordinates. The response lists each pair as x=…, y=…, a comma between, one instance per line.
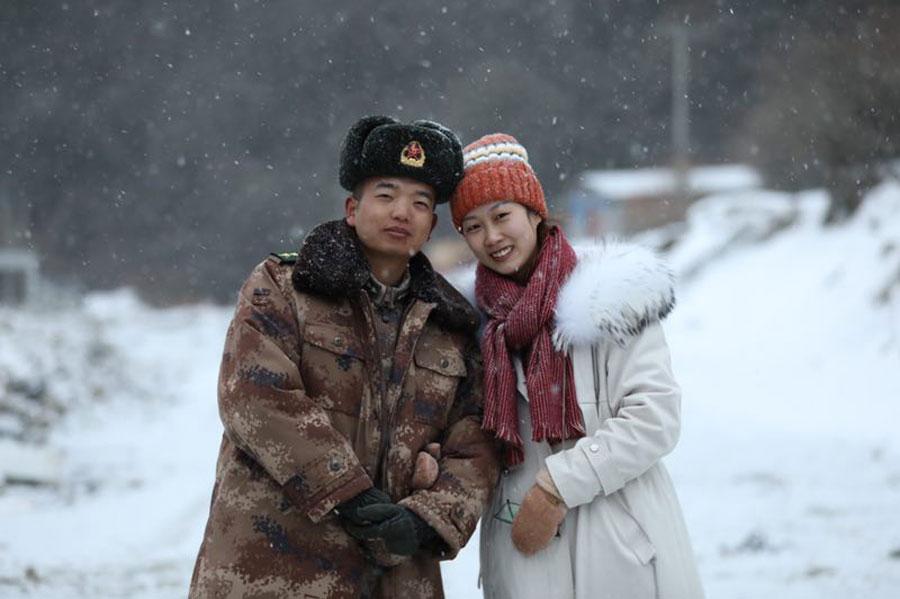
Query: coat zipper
x=395, y=405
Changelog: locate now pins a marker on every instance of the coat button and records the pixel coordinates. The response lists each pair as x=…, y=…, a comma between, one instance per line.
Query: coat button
x=445, y=362
x=335, y=465
x=594, y=447
x=338, y=341
x=459, y=512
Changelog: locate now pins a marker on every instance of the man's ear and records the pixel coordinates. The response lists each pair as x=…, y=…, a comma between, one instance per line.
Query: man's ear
x=350, y=205
x=433, y=223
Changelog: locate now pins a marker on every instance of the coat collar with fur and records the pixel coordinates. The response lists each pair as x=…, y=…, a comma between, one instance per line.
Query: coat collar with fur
x=331, y=263
x=615, y=291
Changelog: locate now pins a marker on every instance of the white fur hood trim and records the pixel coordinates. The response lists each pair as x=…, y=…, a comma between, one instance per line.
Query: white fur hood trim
x=615, y=291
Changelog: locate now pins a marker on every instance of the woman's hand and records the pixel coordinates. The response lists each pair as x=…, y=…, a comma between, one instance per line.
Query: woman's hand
x=426, y=470
x=539, y=516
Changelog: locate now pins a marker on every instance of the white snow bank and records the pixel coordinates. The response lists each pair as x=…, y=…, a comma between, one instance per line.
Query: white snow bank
x=139, y=465
x=787, y=353
x=53, y=360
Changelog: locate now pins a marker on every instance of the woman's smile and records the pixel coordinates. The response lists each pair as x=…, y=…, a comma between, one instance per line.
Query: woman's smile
x=503, y=235
x=501, y=254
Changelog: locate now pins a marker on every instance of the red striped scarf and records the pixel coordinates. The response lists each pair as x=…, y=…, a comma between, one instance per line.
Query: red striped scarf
x=521, y=319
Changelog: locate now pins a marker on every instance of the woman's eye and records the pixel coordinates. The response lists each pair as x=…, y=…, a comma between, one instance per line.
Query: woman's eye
x=502, y=215
x=470, y=229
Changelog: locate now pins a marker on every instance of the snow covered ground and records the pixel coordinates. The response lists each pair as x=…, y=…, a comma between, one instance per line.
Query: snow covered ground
x=786, y=341
x=128, y=519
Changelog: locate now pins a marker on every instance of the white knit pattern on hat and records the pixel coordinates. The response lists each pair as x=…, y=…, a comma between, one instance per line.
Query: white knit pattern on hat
x=498, y=151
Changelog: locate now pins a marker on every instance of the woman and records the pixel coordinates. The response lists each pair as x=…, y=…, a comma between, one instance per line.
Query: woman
x=580, y=393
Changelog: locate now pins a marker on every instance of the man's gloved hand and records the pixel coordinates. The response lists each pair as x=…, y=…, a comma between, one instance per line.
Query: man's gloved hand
x=401, y=529
x=349, y=510
x=539, y=516
x=375, y=550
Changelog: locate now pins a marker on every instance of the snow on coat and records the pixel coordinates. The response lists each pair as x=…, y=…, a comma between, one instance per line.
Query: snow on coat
x=624, y=535
x=310, y=423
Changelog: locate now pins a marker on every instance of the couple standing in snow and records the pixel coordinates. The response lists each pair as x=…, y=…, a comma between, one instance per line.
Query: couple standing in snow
x=368, y=425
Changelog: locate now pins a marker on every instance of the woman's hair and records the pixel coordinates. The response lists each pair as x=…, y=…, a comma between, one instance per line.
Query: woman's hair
x=544, y=226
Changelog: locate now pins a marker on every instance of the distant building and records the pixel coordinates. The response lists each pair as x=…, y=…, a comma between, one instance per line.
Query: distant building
x=18, y=265
x=623, y=202
x=18, y=276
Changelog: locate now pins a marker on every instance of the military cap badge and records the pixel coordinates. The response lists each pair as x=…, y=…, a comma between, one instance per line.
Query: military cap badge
x=413, y=154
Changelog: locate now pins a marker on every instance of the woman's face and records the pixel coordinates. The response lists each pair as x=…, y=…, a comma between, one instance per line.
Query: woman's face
x=502, y=235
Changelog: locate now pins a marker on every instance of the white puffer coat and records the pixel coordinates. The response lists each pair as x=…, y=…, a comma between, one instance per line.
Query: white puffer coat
x=624, y=536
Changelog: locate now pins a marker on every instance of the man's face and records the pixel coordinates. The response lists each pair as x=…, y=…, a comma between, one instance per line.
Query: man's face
x=393, y=216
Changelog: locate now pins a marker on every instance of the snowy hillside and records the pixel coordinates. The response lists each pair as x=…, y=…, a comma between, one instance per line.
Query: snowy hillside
x=788, y=352
x=786, y=341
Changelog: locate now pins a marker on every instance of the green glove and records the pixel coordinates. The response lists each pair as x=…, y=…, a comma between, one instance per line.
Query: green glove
x=401, y=529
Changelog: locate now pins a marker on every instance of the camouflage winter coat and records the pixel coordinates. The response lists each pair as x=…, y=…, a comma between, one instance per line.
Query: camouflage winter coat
x=307, y=427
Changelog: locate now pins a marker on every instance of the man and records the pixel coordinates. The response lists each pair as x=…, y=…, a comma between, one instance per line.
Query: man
x=342, y=362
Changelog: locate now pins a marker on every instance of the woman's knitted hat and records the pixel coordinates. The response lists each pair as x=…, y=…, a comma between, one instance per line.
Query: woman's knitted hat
x=496, y=169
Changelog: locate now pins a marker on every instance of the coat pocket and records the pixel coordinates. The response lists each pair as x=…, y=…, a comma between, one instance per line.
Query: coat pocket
x=630, y=531
x=333, y=367
x=438, y=373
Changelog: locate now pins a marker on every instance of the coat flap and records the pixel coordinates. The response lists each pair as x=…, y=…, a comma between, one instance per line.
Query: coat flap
x=520, y=377
x=445, y=361
x=336, y=339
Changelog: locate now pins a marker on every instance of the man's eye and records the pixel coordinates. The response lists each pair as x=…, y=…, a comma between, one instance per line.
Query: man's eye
x=423, y=204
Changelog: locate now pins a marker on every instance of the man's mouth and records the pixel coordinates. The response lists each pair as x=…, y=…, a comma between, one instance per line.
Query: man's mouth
x=397, y=232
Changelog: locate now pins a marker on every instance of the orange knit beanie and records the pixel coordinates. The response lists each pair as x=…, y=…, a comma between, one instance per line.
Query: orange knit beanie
x=496, y=169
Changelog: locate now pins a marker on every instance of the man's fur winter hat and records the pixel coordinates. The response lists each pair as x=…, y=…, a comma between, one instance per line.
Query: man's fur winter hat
x=422, y=150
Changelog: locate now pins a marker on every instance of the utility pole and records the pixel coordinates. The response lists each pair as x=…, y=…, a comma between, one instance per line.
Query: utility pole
x=8, y=222
x=680, y=110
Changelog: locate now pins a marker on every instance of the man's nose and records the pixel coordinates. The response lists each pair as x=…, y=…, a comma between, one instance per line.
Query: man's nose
x=400, y=209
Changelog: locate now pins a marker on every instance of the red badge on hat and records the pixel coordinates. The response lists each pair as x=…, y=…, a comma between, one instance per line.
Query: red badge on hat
x=413, y=154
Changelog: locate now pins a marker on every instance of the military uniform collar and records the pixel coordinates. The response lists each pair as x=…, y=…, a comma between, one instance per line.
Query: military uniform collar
x=388, y=296
x=331, y=262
